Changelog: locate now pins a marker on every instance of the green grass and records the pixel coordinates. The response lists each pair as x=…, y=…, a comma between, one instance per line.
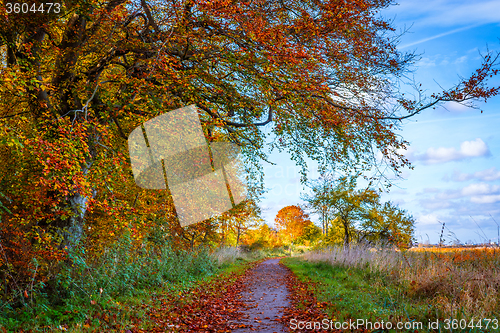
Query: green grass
x=356, y=293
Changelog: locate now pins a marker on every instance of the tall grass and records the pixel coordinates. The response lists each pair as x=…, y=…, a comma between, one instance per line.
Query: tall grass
x=88, y=283
x=458, y=283
x=124, y=269
x=232, y=254
x=229, y=254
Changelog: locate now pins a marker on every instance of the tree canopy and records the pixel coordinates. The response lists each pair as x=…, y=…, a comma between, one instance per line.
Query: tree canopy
x=388, y=223
x=292, y=222
x=357, y=214
x=323, y=76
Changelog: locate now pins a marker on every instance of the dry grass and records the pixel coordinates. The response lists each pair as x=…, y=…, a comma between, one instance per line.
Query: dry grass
x=228, y=254
x=460, y=282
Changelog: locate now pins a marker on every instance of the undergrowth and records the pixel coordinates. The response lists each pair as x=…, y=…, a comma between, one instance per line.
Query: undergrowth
x=110, y=290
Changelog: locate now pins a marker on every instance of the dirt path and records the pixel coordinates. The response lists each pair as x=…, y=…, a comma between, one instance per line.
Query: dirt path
x=265, y=297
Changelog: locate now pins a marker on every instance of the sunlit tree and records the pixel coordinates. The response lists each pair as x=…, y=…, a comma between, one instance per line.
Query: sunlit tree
x=292, y=222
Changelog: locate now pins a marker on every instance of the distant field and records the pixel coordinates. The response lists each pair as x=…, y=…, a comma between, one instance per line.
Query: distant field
x=485, y=255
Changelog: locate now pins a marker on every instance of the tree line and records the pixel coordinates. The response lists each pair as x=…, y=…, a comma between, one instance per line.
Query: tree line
x=346, y=214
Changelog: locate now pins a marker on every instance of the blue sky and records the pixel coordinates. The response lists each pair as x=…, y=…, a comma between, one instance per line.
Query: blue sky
x=455, y=150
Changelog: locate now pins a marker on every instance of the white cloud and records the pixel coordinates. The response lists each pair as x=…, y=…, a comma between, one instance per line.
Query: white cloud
x=485, y=199
x=482, y=193
x=458, y=176
x=480, y=188
x=460, y=60
x=428, y=219
x=448, y=12
x=476, y=148
x=435, y=204
x=443, y=34
x=471, y=198
x=484, y=175
x=424, y=62
x=454, y=107
x=448, y=194
x=441, y=155
x=488, y=174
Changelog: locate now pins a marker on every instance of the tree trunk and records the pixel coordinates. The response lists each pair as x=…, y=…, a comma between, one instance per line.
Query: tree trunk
x=346, y=233
x=73, y=230
x=238, y=235
x=325, y=224
x=205, y=236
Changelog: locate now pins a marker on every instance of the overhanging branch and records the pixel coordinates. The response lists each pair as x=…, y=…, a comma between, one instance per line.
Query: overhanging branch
x=239, y=125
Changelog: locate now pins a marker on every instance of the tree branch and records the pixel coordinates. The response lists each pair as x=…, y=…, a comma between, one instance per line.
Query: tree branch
x=239, y=125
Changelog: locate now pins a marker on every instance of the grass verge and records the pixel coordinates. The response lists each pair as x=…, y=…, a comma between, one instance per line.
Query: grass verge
x=355, y=293
x=348, y=294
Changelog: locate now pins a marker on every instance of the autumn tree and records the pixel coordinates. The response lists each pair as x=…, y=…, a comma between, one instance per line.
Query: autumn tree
x=292, y=222
x=388, y=223
x=319, y=201
x=357, y=214
x=311, y=234
x=346, y=204
x=262, y=236
x=336, y=234
x=323, y=75
x=235, y=222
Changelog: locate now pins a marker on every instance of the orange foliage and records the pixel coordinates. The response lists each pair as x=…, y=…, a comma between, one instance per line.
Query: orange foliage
x=261, y=237
x=292, y=222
